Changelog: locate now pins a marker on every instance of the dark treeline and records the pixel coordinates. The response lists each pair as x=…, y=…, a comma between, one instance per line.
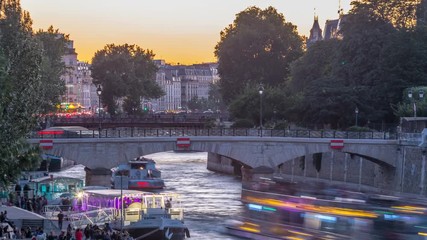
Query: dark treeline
x=380, y=51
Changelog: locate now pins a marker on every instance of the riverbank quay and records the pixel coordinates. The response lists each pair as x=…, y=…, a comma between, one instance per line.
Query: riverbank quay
x=19, y=223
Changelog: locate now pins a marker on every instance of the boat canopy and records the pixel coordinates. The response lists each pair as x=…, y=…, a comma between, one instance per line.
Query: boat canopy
x=54, y=178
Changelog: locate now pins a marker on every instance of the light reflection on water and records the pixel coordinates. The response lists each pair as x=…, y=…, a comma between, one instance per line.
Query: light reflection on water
x=209, y=199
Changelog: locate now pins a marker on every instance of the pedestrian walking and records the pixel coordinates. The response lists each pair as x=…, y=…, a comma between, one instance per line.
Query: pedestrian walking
x=60, y=219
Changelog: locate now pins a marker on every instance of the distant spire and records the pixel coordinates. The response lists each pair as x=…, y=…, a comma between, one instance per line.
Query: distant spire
x=315, y=15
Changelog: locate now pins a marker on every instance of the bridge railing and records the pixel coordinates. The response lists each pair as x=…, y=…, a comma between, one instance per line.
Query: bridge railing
x=179, y=132
x=410, y=138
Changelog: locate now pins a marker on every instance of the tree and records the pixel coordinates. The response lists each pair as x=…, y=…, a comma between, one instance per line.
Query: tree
x=257, y=48
x=215, y=97
x=54, y=46
x=125, y=72
x=316, y=63
x=275, y=102
x=377, y=57
x=422, y=14
x=381, y=55
x=20, y=87
x=402, y=14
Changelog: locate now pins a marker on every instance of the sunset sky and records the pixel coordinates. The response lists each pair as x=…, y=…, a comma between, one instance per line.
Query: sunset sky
x=184, y=32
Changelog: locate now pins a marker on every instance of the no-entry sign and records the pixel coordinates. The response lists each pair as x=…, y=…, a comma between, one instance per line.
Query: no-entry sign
x=46, y=144
x=183, y=142
x=337, y=144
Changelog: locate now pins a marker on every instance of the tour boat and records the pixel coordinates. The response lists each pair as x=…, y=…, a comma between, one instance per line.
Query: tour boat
x=53, y=187
x=138, y=174
x=294, y=211
x=144, y=215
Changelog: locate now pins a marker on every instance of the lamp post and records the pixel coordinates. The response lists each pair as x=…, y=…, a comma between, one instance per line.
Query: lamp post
x=99, y=92
x=261, y=91
x=356, y=111
x=274, y=116
x=122, y=202
x=414, y=104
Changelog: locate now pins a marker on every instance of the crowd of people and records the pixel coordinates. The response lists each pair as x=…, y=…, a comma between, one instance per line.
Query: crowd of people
x=9, y=231
x=31, y=204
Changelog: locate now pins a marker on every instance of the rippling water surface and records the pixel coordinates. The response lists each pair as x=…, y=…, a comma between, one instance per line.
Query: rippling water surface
x=209, y=199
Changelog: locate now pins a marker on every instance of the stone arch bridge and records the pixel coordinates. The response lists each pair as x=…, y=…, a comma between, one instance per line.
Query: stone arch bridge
x=99, y=155
x=250, y=151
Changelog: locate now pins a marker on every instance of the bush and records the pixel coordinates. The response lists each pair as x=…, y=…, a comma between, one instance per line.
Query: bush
x=281, y=125
x=242, y=123
x=209, y=124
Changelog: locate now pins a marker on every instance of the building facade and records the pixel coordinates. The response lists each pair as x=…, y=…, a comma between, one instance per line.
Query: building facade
x=78, y=81
x=73, y=87
x=182, y=83
x=87, y=88
x=179, y=82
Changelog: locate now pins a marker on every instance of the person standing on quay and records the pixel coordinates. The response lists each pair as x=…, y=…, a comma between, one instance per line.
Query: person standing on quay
x=79, y=234
x=60, y=219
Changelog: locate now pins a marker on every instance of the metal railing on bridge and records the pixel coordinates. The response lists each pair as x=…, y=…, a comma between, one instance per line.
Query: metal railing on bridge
x=179, y=132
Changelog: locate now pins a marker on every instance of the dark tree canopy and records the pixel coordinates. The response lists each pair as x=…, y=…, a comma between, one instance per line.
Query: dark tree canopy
x=54, y=46
x=257, y=48
x=402, y=14
x=125, y=72
x=23, y=90
x=379, y=55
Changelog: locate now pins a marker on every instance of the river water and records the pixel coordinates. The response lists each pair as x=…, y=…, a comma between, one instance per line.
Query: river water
x=209, y=199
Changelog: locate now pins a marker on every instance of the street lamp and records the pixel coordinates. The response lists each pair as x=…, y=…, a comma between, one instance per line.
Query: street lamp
x=414, y=105
x=356, y=111
x=99, y=92
x=261, y=91
x=122, y=202
x=274, y=116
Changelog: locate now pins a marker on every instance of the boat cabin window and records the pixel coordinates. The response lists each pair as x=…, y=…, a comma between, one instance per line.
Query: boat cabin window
x=140, y=166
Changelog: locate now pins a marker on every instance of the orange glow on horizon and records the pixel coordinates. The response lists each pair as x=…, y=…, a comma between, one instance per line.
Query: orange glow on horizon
x=184, y=56
x=183, y=32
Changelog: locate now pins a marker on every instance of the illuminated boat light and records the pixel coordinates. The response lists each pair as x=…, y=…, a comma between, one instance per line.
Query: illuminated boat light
x=294, y=238
x=310, y=207
x=326, y=218
x=143, y=184
x=255, y=207
x=252, y=224
x=410, y=209
x=250, y=229
x=308, y=197
x=390, y=217
x=300, y=233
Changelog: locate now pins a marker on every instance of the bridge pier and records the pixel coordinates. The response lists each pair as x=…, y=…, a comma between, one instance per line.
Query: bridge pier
x=251, y=177
x=98, y=177
x=222, y=164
